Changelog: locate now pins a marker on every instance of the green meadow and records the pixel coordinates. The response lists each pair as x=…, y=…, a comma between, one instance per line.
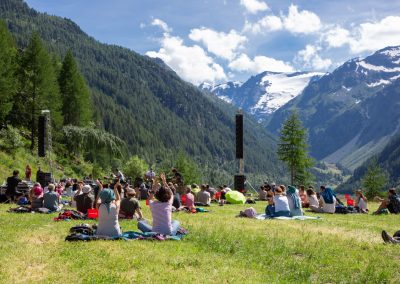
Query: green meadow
x=220, y=248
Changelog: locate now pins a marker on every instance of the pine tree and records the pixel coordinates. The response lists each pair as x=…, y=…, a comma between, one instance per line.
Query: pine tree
x=75, y=94
x=39, y=88
x=7, y=71
x=374, y=180
x=292, y=149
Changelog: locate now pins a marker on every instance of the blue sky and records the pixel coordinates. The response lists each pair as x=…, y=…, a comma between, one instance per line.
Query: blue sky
x=223, y=40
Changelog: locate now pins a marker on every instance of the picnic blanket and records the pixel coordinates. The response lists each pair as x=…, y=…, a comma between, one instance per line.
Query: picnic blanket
x=302, y=218
x=85, y=232
x=27, y=209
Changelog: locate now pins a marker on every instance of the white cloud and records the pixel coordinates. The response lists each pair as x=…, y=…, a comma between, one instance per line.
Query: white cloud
x=337, y=37
x=310, y=58
x=190, y=62
x=266, y=24
x=254, y=6
x=297, y=22
x=259, y=64
x=163, y=25
x=377, y=35
x=221, y=44
x=303, y=22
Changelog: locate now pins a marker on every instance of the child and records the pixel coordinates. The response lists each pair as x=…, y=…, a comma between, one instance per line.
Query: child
x=270, y=209
x=281, y=203
x=361, y=203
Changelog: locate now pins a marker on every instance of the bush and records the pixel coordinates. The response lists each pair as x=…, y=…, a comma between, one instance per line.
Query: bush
x=10, y=139
x=135, y=167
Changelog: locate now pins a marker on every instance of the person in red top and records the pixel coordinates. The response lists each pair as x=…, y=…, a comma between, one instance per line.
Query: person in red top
x=28, y=172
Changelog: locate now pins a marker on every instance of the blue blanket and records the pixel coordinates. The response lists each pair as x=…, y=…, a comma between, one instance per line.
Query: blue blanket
x=263, y=217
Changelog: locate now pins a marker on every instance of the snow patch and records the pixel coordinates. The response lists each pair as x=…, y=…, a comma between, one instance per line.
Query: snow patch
x=279, y=89
x=368, y=66
x=393, y=52
x=380, y=82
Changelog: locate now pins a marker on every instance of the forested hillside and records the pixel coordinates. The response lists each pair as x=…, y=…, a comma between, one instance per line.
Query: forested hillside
x=388, y=160
x=143, y=102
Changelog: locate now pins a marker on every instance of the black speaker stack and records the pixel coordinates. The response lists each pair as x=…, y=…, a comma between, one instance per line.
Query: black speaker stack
x=239, y=179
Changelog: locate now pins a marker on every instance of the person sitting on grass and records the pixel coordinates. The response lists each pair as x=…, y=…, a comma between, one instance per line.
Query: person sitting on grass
x=303, y=197
x=361, y=203
x=294, y=201
x=203, y=197
x=189, y=201
x=130, y=207
x=270, y=209
x=327, y=201
x=83, y=199
x=392, y=204
x=161, y=211
x=51, y=200
x=108, y=211
x=176, y=202
x=36, y=196
x=312, y=198
x=281, y=203
x=262, y=194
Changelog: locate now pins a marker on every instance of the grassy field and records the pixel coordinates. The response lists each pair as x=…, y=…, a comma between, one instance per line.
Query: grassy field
x=219, y=249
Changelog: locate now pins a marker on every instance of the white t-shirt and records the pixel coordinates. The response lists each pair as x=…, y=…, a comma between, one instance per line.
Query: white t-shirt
x=362, y=204
x=313, y=200
x=281, y=203
x=328, y=208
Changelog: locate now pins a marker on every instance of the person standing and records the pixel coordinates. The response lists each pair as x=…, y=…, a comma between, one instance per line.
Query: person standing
x=28, y=173
x=12, y=184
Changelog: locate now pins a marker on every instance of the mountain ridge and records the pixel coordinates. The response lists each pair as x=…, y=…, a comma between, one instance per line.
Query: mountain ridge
x=142, y=101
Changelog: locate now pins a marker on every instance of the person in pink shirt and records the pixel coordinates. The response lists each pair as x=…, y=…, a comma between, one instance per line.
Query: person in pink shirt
x=161, y=211
x=189, y=203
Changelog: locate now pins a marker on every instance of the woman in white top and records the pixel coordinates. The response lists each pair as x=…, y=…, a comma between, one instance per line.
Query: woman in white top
x=281, y=203
x=327, y=201
x=108, y=211
x=361, y=202
x=312, y=198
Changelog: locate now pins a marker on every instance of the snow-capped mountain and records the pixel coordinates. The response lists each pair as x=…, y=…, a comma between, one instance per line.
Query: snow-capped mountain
x=352, y=112
x=264, y=93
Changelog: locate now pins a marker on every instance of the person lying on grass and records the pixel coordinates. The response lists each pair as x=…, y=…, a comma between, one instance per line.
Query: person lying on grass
x=327, y=201
x=161, y=210
x=108, y=211
x=361, y=203
x=392, y=204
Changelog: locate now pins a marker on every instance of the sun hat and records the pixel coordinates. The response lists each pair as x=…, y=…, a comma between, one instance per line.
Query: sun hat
x=86, y=189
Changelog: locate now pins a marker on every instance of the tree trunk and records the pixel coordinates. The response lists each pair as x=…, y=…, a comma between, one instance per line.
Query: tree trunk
x=292, y=175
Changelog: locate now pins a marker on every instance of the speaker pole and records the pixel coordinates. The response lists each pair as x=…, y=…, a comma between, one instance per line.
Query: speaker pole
x=239, y=179
x=46, y=113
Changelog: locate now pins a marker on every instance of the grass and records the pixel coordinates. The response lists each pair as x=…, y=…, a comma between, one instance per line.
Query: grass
x=219, y=249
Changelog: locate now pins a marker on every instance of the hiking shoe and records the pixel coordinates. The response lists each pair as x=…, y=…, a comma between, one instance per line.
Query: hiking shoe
x=385, y=236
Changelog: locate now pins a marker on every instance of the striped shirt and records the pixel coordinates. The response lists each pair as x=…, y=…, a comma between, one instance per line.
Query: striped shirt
x=162, y=216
